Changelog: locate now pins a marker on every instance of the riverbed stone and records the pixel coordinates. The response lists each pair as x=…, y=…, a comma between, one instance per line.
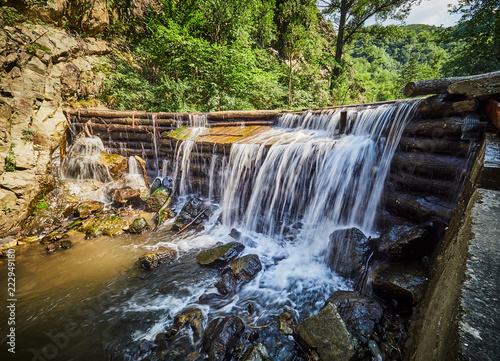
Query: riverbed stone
x=287, y=321
x=327, y=334
x=192, y=319
x=246, y=267
x=359, y=312
x=194, y=212
x=107, y=224
x=139, y=225
x=163, y=255
x=256, y=352
x=349, y=251
x=85, y=209
x=127, y=195
x=221, y=337
x=157, y=199
x=403, y=282
x=221, y=254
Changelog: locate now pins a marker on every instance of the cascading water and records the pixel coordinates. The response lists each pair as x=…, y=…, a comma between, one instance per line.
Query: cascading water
x=82, y=161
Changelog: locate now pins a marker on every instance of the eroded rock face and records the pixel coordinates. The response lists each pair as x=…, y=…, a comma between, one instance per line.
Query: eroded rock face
x=327, y=334
x=221, y=337
x=154, y=258
x=33, y=62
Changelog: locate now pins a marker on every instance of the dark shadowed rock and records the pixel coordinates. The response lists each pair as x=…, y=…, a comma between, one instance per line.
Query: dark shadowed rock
x=327, y=334
x=66, y=244
x=403, y=242
x=256, y=352
x=349, y=250
x=154, y=258
x=235, y=234
x=155, y=185
x=246, y=267
x=359, y=312
x=139, y=225
x=221, y=337
x=194, y=212
x=403, y=282
x=221, y=254
x=228, y=284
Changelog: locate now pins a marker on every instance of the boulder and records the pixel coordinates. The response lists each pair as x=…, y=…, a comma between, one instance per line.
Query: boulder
x=139, y=225
x=192, y=319
x=327, y=334
x=349, y=251
x=359, y=312
x=403, y=282
x=221, y=254
x=256, y=352
x=85, y=209
x=160, y=256
x=228, y=284
x=157, y=199
x=126, y=196
x=107, y=224
x=246, y=267
x=194, y=209
x=221, y=337
x=115, y=163
x=404, y=242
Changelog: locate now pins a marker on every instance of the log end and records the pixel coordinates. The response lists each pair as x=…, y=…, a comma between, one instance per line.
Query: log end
x=409, y=89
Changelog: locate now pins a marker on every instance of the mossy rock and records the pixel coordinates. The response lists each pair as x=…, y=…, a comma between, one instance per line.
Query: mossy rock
x=85, y=209
x=107, y=224
x=115, y=163
x=157, y=199
x=139, y=225
x=220, y=254
x=154, y=258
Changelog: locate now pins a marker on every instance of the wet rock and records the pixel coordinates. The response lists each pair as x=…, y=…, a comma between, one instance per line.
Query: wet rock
x=287, y=321
x=43, y=221
x=107, y=224
x=53, y=247
x=127, y=196
x=115, y=163
x=256, y=352
x=221, y=254
x=349, y=251
x=192, y=319
x=402, y=282
x=403, y=242
x=66, y=244
x=157, y=199
x=359, y=312
x=194, y=211
x=228, y=284
x=246, y=267
x=221, y=337
x=62, y=201
x=157, y=183
x=327, y=334
x=235, y=234
x=52, y=237
x=139, y=225
x=85, y=209
x=27, y=240
x=160, y=256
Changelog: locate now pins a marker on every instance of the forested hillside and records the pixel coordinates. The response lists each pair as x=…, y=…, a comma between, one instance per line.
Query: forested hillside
x=206, y=55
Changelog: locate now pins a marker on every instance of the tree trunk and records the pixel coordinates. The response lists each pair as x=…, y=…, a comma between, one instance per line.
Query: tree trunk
x=440, y=86
x=477, y=87
x=340, y=39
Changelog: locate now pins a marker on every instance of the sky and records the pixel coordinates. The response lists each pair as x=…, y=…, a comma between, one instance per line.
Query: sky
x=431, y=12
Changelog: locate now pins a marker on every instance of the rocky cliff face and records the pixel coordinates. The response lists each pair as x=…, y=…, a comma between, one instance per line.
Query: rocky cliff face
x=41, y=69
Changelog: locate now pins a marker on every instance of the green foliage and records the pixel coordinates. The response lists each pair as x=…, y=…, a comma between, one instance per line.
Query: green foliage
x=477, y=36
x=42, y=204
x=9, y=16
x=33, y=47
x=10, y=164
x=28, y=134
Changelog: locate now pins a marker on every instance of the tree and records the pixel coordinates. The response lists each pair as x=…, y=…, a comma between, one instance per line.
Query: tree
x=351, y=15
x=478, y=35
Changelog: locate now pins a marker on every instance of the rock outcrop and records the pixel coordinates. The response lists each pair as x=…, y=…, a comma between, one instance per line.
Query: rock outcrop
x=41, y=68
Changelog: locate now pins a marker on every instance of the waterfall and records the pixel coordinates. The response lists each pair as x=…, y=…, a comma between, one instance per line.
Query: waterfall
x=307, y=175
x=82, y=161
